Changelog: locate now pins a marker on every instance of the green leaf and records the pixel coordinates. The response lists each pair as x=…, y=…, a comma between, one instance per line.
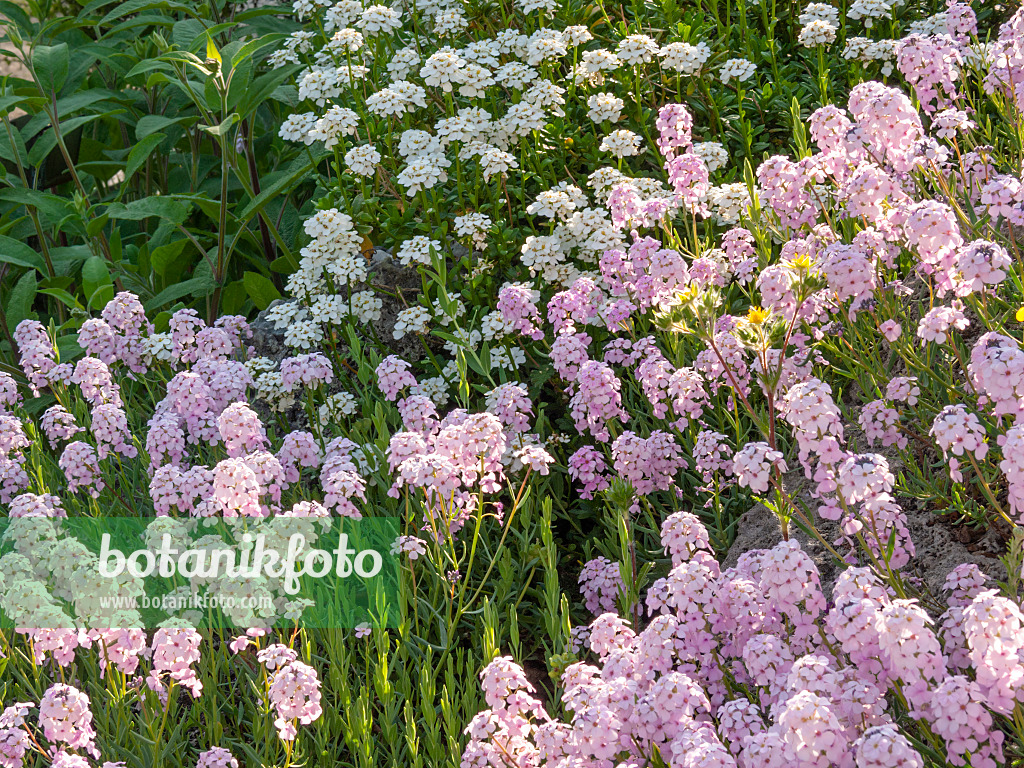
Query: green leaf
x=20, y=299
x=161, y=207
x=154, y=123
x=140, y=153
x=95, y=274
x=137, y=6
x=224, y=127
x=251, y=48
x=261, y=289
x=51, y=65
x=185, y=33
x=162, y=257
x=197, y=286
x=63, y=297
x=16, y=252
x=211, y=50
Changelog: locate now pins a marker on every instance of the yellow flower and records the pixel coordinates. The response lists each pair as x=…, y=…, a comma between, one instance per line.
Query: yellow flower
x=801, y=262
x=1020, y=315
x=756, y=315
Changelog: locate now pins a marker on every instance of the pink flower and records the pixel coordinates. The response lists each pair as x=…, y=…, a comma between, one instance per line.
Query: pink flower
x=891, y=330
x=216, y=757
x=295, y=693
x=393, y=376
x=65, y=717
x=753, y=464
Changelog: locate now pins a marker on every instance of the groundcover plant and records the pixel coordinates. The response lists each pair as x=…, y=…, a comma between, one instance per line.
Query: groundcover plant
x=681, y=342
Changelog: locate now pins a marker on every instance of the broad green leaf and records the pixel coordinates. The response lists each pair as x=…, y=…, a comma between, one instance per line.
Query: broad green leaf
x=185, y=33
x=51, y=207
x=140, y=153
x=95, y=274
x=261, y=289
x=162, y=207
x=16, y=252
x=66, y=259
x=162, y=256
x=20, y=300
x=51, y=65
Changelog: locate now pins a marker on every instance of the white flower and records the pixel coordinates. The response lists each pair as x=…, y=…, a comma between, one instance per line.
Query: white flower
x=729, y=201
x=820, y=11
x=386, y=102
x=424, y=172
x=524, y=117
x=482, y=52
x=552, y=204
x=545, y=44
x=343, y=14
x=319, y=84
x=331, y=224
x=494, y=161
x=449, y=23
x=741, y=69
x=411, y=320
x=507, y=360
x=366, y=306
x=546, y=94
x=577, y=35
x=298, y=126
x=304, y=334
x=363, y=160
x=402, y=62
x=714, y=155
x=474, y=80
x=817, y=32
x=871, y=9
x=542, y=253
x=515, y=75
x=621, y=143
x=605, y=106
x=346, y=41
x=456, y=309
x=442, y=69
x=435, y=388
x=379, y=18
x=685, y=58
x=416, y=142
x=637, y=49
x=338, y=404
x=330, y=309
x=338, y=121
x=529, y=6
x=474, y=225
x=512, y=42
x=418, y=250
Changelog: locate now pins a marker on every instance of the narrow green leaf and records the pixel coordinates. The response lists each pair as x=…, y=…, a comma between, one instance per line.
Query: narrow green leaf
x=140, y=153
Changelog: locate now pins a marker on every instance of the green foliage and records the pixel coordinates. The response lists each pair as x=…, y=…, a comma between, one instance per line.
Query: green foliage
x=140, y=153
